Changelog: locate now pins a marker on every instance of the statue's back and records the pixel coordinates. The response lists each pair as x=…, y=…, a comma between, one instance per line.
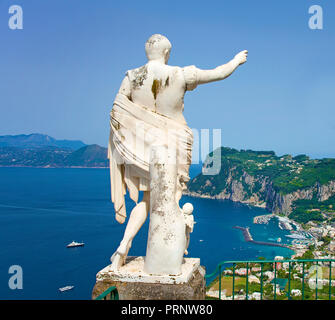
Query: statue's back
x=159, y=87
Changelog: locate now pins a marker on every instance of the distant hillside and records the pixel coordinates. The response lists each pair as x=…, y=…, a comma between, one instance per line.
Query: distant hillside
x=34, y=157
x=37, y=140
x=296, y=186
x=53, y=157
x=89, y=156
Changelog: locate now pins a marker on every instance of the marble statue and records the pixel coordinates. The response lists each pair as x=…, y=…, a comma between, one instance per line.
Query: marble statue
x=150, y=150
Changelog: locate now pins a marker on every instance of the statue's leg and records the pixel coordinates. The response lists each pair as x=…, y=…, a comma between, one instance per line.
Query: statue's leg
x=179, y=194
x=137, y=218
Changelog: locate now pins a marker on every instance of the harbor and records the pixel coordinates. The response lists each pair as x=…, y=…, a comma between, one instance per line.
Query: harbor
x=248, y=238
x=284, y=223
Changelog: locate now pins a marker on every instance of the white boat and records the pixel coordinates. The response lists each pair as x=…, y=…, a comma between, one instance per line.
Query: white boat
x=66, y=288
x=201, y=240
x=75, y=244
x=296, y=236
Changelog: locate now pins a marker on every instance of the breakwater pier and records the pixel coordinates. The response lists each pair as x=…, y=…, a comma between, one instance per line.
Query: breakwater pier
x=248, y=238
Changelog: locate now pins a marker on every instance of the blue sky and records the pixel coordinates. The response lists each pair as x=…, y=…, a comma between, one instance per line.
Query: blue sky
x=59, y=75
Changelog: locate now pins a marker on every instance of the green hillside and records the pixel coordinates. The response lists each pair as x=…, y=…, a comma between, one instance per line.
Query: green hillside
x=299, y=187
x=287, y=173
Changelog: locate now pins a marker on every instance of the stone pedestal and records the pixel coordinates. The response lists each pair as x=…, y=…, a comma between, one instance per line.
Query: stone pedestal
x=133, y=283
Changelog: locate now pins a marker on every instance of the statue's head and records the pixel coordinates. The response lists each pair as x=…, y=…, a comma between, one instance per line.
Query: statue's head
x=158, y=47
x=188, y=208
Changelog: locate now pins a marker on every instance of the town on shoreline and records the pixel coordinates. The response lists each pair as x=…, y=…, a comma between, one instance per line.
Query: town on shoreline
x=309, y=241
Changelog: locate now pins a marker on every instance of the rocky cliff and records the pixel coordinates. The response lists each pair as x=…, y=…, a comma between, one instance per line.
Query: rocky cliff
x=263, y=179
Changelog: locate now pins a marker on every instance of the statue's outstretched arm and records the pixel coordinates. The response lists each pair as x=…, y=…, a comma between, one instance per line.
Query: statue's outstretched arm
x=222, y=72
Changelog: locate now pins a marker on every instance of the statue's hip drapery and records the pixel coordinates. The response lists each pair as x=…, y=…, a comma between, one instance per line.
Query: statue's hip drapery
x=134, y=129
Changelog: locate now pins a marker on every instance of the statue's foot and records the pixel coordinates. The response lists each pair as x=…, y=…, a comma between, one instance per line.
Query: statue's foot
x=117, y=260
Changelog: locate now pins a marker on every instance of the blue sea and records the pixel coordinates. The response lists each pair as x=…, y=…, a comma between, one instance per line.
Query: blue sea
x=42, y=210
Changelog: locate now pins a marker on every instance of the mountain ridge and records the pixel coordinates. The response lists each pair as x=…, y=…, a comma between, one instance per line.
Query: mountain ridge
x=39, y=150
x=292, y=186
x=38, y=140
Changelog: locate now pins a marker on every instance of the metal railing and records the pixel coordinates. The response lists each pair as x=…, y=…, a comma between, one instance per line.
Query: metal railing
x=110, y=293
x=268, y=289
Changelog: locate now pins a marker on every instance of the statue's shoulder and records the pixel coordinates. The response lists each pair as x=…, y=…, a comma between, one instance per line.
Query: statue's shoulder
x=137, y=72
x=190, y=76
x=189, y=73
x=137, y=76
x=175, y=69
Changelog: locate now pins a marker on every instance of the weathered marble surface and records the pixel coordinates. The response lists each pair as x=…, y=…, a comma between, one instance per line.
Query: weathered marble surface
x=133, y=283
x=167, y=228
x=153, y=96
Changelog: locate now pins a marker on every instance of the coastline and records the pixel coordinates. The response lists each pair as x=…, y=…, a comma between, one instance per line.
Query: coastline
x=205, y=196
x=258, y=219
x=262, y=205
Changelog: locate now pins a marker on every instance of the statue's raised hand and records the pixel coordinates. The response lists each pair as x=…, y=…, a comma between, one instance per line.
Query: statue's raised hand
x=242, y=57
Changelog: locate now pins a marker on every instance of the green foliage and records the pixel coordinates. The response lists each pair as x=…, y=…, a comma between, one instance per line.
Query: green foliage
x=268, y=291
x=252, y=287
x=268, y=267
x=303, y=209
x=281, y=273
x=326, y=205
x=307, y=255
x=287, y=174
x=301, y=158
x=250, y=169
x=326, y=240
x=302, y=216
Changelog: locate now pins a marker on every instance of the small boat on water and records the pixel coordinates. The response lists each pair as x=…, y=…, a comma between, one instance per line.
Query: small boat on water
x=75, y=244
x=201, y=240
x=66, y=288
x=296, y=236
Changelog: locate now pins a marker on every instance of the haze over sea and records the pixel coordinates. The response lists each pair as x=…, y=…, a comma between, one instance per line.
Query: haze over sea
x=42, y=210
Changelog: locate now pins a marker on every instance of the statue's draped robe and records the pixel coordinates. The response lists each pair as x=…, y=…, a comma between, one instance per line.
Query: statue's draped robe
x=134, y=129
